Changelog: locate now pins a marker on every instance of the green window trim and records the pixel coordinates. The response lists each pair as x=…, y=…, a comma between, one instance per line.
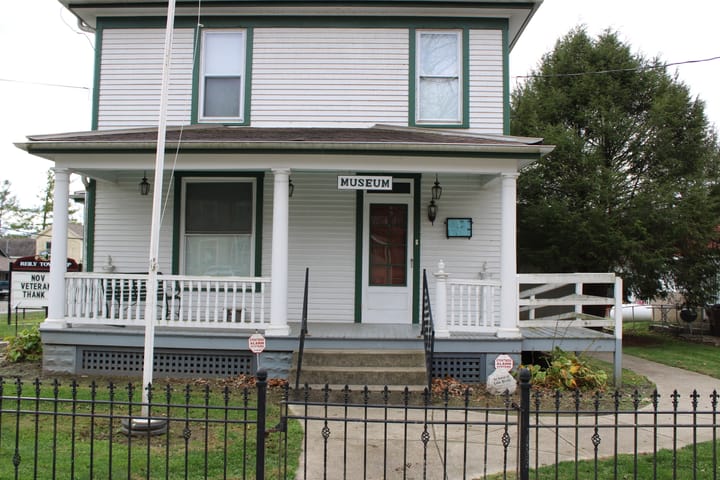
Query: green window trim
x=413, y=120
x=195, y=117
x=257, y=177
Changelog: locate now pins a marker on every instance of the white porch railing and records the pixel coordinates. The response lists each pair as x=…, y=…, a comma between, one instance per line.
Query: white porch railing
x=185, y=301
x=544, y=300
x=465, y=305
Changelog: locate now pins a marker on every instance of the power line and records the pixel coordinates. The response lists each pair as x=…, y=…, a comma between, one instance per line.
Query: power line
x=26, y=82
x=634, y=69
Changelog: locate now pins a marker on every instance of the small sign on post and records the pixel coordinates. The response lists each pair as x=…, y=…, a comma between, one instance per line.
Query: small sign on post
x=500, y=381
x=504, y=362
x=256, y=343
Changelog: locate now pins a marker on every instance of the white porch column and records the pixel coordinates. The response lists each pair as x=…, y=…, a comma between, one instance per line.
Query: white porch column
x=58, y=252
x=440, y=307
x=279, y=281
x=509, y=315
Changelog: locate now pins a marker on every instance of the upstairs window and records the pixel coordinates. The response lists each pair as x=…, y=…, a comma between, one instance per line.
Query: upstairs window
x=222, y=76
x=438, y=77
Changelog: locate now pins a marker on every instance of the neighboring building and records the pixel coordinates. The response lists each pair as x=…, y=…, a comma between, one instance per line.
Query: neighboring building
x=12, y=249
x=43, y=242
x=367, y=141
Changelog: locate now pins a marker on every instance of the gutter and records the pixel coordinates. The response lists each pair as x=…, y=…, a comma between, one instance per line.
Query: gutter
x=89, y=147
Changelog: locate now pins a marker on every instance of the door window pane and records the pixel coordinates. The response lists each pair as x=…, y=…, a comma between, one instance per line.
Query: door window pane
x=388, y=244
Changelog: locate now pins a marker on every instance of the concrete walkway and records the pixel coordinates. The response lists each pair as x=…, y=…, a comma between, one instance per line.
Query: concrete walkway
x=345, y=447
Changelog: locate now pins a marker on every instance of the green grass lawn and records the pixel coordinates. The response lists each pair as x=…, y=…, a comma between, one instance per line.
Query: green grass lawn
x=639, y=340
x=686, y=465
x=82, y=433
x=20, y=321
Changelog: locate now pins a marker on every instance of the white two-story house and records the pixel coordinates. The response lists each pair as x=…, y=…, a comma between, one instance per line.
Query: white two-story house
x=365, y=141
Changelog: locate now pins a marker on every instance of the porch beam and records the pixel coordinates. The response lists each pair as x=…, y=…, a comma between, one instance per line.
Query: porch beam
x=279, y=270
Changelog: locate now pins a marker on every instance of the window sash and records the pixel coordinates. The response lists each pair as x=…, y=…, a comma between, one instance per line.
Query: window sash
x=212, y=246
x=222, y=75
x=439, y=77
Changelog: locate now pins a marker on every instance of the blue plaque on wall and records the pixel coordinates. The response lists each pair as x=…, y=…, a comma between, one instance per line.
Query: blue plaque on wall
x=459, y=227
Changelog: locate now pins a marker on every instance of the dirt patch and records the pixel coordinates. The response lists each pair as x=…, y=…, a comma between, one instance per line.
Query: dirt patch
x=630, y=340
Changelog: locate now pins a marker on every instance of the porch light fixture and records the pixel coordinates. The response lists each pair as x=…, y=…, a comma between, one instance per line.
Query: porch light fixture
x=436, y=189
x=432, y=212
x=144, y=185
x=291, y=187
x=432, y=208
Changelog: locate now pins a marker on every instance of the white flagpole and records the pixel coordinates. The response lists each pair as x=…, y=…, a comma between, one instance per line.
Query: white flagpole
x=151, y=288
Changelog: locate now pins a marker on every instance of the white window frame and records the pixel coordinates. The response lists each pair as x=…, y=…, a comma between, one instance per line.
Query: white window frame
x=203, y=76
x=458, y=76
x=183, y=234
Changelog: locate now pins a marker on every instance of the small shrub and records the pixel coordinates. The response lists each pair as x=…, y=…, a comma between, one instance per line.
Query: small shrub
x=567, y=371
x=26, y=345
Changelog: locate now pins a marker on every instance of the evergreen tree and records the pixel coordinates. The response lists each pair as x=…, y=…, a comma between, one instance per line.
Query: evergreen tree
x=632, y=186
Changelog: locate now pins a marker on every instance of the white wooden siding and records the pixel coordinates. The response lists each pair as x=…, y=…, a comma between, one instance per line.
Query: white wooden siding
x=317, y=77
x=475, y=258
x=122, y=226
x=321, y=237
x=463, y=196
x=131, y=76
x=329, y=76
x=486, y=82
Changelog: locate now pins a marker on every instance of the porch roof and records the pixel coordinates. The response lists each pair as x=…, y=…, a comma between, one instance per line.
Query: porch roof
x=223, y=137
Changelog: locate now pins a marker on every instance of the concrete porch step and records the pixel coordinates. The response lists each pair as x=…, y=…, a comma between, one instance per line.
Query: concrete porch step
x=397, y=368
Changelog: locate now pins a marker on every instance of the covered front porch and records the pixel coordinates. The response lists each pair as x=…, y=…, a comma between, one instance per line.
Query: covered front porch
x=202, y=324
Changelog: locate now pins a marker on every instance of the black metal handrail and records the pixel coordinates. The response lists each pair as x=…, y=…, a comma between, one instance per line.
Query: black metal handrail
x=428, y=330
x=303, y=331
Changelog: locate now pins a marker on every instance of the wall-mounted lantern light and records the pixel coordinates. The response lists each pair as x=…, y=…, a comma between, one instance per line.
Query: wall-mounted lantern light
x=436, y=189
x=432, y=211
x=432, y=208
x=144, y=185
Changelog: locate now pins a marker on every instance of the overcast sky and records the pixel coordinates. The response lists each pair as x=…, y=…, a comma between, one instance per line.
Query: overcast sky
x=46, y=69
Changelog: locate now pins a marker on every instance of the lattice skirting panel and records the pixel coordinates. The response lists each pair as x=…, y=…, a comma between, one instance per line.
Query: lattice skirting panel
x=166, y=364
x=466, y=368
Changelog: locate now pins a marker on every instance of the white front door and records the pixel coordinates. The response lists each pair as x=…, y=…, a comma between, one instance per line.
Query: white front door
x=387, y=258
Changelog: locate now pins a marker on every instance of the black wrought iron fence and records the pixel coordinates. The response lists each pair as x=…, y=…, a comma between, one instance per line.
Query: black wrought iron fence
x=56, y=430
x=92, y=431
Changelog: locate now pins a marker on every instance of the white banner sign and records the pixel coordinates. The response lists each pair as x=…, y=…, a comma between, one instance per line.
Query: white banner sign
x=360, y=182
x=30, y=289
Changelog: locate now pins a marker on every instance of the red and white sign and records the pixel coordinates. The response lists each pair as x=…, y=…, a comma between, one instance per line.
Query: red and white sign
x=256, y=342
x=504, y=362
